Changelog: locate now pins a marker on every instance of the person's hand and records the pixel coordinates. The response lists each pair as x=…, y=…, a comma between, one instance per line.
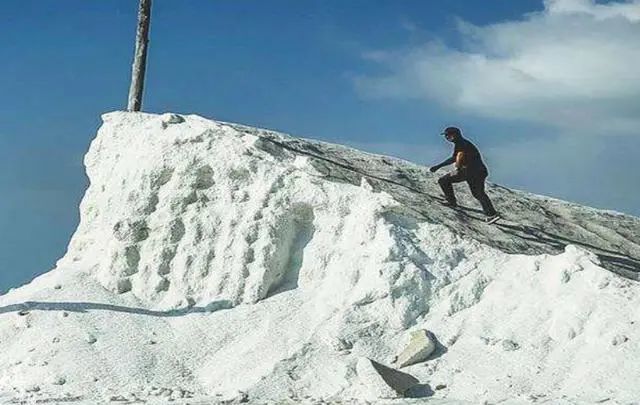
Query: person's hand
x=433, y=169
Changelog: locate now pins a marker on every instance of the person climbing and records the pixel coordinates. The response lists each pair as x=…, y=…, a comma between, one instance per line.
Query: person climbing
x=469, y=168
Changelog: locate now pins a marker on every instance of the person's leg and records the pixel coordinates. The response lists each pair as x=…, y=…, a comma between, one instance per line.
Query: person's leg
x=476, y=184
x=446, y=183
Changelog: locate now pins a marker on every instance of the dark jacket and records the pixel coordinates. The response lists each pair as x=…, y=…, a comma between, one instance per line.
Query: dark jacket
x=472, y=162
x=471, y=158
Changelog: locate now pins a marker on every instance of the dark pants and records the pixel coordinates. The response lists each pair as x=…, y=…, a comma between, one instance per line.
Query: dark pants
x=476, y=184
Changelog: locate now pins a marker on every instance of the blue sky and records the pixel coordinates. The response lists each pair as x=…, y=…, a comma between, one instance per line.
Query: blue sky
x=548, y=90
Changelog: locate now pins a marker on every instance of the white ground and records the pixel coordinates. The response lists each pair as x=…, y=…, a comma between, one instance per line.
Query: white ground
x=214, y=260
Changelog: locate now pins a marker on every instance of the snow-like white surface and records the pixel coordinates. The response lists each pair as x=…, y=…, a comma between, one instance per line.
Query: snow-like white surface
x=214, y=259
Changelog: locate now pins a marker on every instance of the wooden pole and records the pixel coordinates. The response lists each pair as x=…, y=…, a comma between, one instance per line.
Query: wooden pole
x=140, y=57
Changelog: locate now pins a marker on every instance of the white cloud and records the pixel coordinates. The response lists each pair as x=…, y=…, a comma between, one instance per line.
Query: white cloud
x=576, y=64
x=628, y=10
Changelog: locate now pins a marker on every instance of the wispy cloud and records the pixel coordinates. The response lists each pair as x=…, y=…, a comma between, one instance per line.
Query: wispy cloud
x=573, y=65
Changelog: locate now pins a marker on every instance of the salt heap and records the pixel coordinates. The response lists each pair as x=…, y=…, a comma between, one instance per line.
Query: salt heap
x=218, y=261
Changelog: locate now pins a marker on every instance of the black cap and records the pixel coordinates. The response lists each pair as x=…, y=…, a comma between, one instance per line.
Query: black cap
x=452, y=131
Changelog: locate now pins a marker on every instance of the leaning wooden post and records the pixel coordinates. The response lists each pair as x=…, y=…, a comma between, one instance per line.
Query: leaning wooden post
x=140, y=56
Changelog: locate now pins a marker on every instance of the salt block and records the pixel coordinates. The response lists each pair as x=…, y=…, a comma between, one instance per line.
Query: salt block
x=419, y=349
x=169, y=118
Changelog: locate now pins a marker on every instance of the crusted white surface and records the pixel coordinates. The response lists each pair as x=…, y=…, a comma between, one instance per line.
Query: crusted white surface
x=210, y=260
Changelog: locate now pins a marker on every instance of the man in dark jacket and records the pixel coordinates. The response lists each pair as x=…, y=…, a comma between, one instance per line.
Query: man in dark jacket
x=469, y=168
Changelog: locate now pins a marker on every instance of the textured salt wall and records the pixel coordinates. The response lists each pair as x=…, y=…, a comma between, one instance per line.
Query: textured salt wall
x=239, y=259
x=195, y=212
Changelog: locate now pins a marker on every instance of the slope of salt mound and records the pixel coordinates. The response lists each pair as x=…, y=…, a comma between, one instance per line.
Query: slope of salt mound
x=534, y=224
x=213, y=258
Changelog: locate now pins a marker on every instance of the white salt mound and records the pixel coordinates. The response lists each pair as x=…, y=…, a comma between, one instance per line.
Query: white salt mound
x=220, y=262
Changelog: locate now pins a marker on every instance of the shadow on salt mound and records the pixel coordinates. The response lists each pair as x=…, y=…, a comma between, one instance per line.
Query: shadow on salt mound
x=283, y=266
x=617, y=262
x=414, y=189
x=83, y=307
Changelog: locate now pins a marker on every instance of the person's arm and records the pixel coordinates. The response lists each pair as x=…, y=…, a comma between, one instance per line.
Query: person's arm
x=445, y=163
x=459, y=160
